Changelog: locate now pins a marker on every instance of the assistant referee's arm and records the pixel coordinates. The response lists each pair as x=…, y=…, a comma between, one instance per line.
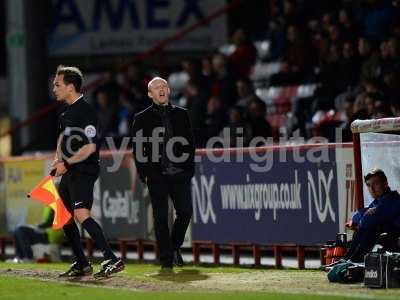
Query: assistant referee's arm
x=83, y=153
x=58, y=156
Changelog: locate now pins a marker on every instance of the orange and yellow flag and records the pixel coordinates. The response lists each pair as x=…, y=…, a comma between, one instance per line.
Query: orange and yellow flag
x=46, y=192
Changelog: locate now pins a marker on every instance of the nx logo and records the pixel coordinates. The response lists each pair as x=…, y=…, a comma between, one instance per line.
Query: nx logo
x=202, y=201
x=321, y=197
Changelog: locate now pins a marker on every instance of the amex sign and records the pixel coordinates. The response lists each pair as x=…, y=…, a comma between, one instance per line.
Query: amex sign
x=126, y=26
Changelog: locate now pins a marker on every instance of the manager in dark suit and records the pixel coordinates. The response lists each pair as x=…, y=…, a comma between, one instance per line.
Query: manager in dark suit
x=163, y=150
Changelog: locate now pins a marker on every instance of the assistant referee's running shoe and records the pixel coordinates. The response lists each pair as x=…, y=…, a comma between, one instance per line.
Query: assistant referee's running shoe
x=109, y=267
x=77, y=271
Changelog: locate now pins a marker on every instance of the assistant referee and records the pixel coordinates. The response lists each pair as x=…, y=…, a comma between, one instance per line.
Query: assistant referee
x=77, y=161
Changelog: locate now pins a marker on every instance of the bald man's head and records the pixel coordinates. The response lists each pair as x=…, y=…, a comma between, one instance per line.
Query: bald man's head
x=158, y=91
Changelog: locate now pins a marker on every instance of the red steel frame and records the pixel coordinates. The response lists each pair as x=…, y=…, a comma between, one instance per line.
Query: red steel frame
x=358, y=171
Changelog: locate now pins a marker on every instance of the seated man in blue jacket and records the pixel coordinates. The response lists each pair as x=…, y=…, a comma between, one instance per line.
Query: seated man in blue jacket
x=28, y=235
x=382, y=215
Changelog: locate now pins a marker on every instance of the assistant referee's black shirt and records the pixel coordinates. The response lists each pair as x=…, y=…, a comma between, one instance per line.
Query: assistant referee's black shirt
x=78, y=126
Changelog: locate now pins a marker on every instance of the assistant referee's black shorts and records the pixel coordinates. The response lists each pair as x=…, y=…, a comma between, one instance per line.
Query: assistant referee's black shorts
x=76, y=189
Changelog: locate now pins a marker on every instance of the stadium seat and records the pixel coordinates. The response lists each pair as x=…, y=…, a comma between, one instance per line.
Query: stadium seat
x=177, y=81
x=263, y=48
x=227, y=49
x=263, y=71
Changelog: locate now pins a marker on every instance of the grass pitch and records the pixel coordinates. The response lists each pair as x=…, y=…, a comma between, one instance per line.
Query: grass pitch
x=142, y=281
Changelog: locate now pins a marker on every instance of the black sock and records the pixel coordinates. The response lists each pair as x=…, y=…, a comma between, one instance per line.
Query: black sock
x=97, y=235
x=72, y=233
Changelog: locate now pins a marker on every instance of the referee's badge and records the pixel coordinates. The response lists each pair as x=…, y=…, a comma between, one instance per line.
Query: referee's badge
x=67, y=131
x=90, y=131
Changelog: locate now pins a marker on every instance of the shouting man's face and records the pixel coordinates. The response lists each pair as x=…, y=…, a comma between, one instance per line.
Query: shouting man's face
x=159, y=92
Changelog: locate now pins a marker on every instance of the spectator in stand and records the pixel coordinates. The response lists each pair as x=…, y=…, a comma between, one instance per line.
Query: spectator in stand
x=369, y=57
x=371, y=100
x=382, y=110
x=245, y=92
x=348, y=28
x=395, y=108
x=193, y=69
x=391, y=81
x=348, y=111
x=197, y=108
x=314, y=29
x=207, y=73
x=259, y=126
x=298, y=56
x=125, y=112
x=384, y=58
x=335, y=36
x=323, y=104
x=396, y=26
x=327, y=21
x=237, y=132
x=106, y=114
x=359, y=107
x=291, y=12
x=215, y=120
x=371, y=85
x=298, y=60
x=111, y=87
x=329, y=69
x=277, y=36
x=349, y=73
x=206, y=67
x=244, y=57
x=394, y=53
x=134, y=89
x=223, y=84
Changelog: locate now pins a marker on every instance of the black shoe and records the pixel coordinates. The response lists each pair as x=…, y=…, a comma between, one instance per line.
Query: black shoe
x=109, y=267
x=178, y=260
x=77, y=271
x=166, y=270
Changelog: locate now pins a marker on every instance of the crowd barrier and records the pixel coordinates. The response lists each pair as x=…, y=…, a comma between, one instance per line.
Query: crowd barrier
x=275, y=198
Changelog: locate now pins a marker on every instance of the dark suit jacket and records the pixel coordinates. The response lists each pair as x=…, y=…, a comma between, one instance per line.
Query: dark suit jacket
x=149, y=165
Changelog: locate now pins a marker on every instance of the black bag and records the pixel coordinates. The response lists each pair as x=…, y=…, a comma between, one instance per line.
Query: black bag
x=346, y=272
x=382, y=270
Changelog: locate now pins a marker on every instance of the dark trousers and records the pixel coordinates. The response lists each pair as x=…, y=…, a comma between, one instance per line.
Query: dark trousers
x=180, y=194
x=25, y=237
x=362, y=243
x=364, y=240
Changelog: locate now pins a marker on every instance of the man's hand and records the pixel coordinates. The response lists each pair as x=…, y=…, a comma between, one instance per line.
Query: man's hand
x=370, y=211
x=60, y=169
x=350, y=225
x=54, y=163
